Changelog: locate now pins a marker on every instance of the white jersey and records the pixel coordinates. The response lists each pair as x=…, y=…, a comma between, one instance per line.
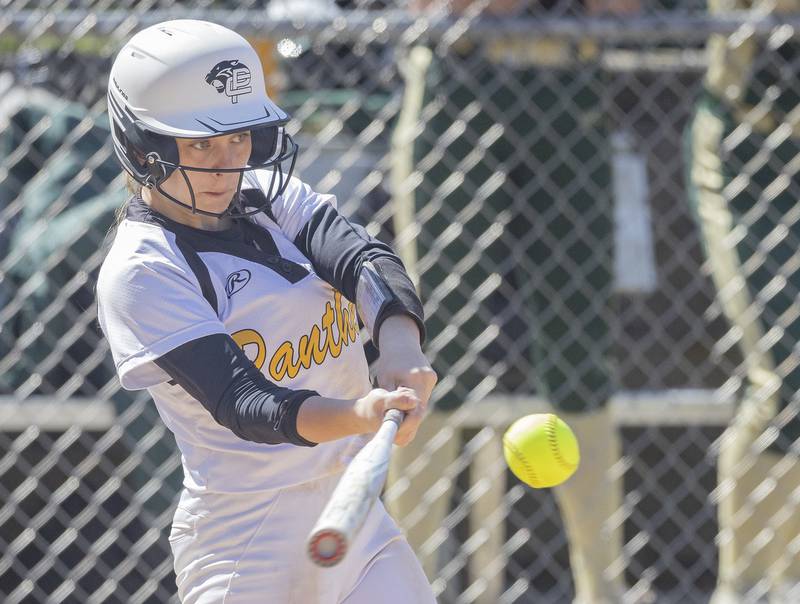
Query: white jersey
x=153, y=295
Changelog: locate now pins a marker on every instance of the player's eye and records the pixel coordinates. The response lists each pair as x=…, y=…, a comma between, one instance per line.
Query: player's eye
x=201, y=145
x=240, y=137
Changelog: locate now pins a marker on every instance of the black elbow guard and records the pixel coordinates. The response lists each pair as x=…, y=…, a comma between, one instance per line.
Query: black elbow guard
x=383, y=290
x=259, y=411
x=216, y=372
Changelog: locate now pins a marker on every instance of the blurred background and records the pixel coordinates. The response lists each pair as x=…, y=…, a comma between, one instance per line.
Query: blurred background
x=533, y=165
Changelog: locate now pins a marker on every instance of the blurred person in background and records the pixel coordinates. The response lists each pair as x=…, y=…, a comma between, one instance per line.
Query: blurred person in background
x=59, y=190
x=743, y=147
x=55, y=217
x=502, y=168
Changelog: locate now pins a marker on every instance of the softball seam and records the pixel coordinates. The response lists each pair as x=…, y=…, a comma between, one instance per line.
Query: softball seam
x=551, y=437
x=533, y=479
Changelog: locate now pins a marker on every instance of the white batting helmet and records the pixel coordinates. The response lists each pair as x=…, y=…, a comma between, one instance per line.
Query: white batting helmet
x=193, y=79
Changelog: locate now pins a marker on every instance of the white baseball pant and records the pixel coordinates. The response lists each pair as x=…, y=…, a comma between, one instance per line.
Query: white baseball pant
x=250, y=549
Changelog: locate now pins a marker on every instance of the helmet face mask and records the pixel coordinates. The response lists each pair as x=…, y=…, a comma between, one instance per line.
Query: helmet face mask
x=194, y=79
x=275, y=150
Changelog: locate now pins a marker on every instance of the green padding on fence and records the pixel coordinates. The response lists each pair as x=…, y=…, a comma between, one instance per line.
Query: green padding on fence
x=67, y=187
x=545, y=176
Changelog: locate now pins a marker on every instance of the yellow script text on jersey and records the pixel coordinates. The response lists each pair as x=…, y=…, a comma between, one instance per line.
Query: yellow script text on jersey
x=313, y=347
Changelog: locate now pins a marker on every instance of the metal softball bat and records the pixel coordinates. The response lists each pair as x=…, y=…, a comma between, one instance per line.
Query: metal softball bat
x=353, y=497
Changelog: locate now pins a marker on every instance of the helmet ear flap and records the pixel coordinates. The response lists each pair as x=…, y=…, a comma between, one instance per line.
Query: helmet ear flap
x=267, y=143
x=159, y=149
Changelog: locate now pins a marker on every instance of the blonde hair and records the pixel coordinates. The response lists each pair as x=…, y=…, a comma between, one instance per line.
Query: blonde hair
x=134, y=188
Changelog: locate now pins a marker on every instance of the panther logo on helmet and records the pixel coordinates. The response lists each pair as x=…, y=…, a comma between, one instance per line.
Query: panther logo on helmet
x=231, y=77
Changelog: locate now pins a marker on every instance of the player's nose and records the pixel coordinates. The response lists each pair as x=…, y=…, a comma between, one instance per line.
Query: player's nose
x=227, y=156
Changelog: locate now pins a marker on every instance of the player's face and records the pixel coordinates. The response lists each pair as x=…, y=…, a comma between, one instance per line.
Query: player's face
x=213, y=191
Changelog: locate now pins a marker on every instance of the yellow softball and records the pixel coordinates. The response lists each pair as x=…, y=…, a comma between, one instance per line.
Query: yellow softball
x=541, y=450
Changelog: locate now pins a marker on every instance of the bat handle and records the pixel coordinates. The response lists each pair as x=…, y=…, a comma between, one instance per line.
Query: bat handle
x=394, y=415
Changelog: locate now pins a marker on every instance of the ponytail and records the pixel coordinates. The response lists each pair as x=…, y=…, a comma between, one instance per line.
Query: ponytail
x=134, y=188
x=132, y=185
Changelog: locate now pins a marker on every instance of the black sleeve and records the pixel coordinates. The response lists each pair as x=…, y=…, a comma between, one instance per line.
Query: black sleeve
x=216, y=372
x=338, y=250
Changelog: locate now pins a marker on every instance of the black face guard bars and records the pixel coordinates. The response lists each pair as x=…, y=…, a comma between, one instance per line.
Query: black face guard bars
x=287, y=152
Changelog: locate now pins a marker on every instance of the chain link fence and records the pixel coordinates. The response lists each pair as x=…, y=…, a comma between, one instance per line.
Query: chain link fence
x=531, y=171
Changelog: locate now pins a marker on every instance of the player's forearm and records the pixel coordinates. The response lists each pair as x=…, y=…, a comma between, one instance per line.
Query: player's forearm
x=321, y=419
x=399, y=331
x=402, y=362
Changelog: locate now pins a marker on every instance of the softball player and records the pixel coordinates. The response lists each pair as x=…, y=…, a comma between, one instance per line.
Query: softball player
x=228, y=293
